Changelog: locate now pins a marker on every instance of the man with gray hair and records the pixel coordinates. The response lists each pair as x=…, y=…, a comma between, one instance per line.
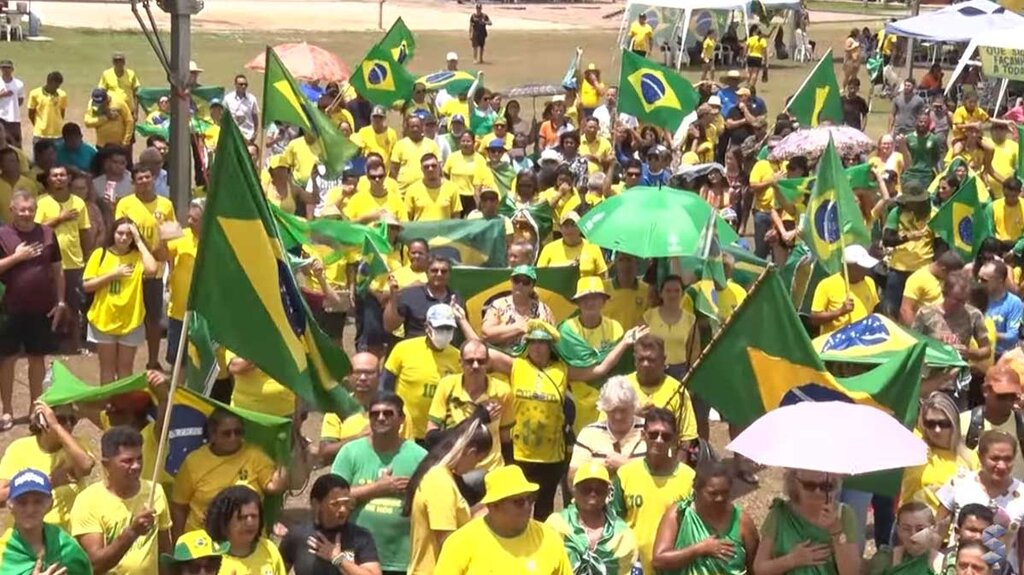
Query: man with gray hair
x=34, y=303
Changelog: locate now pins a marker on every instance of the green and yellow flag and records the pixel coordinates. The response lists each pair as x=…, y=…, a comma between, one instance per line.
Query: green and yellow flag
x=479, y=287
x=19, y=557
x=655, y=94
x=244, y=288
x=859, y=176
x=818, y=99
x=466, y=242
x=283, y=101
x=963, y=222
x=833, y=216
x=400, y=42
x=540, y=215
x=749, y=370
x=66, y=388
x=381, y=79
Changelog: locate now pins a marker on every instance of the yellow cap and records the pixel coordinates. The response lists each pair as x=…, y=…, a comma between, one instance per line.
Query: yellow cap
x=591, y=470
x=194, y=545
x=505, y=482
x=589, y=285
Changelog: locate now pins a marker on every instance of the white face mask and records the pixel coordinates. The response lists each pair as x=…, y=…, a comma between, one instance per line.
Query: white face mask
x=441, y=337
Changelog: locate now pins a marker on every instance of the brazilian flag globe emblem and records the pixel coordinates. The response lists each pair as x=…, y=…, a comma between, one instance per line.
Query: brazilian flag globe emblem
x=377, y=75
x=826, y=220
x=963, y=216
x=653, y=93
x=654, y=90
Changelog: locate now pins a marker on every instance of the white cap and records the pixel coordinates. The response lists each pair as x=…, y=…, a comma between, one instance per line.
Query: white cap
x=550, y=155
x=859, y=256
x=714, y=100
x=451, y=56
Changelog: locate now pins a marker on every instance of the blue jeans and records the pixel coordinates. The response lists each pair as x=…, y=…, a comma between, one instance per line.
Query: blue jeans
x=893, y=296
x=762, y=224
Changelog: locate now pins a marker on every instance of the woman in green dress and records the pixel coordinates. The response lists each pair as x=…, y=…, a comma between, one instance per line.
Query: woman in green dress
x=706, y=534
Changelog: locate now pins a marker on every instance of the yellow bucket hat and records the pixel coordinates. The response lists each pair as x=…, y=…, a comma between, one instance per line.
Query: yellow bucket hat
x=194, y=545
x=505, y=482
x=589, y=285
x=591, y=470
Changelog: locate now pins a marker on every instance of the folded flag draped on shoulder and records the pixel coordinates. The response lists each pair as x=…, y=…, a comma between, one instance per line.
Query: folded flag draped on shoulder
x=19, y=557
x=877, y=339
x=283, y=101
x=262, y=317
x=188, y=414
x=963, y=221
x=833, y=215
x=819, y=98
x=66, y=388
x=749, y=370
x=655, y=94
x=468, y=242
x=400, y=42
x=479, y=287
x=381, y=79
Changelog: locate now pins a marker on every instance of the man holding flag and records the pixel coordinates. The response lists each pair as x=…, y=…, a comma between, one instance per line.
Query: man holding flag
x=846, y=297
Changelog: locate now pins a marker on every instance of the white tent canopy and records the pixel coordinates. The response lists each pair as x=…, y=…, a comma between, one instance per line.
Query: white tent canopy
x=1012, y=38
x=688, y=7
x=961, y=22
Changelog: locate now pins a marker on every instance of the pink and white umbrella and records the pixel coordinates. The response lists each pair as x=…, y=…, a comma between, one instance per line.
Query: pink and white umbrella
x=831, y=437
x=811, y=142
x=305, y=62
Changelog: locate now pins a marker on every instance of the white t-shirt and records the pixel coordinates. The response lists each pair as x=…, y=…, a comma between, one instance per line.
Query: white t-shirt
x=961, y=491
x=243, y=111
x=10, y=109
x=604, y=120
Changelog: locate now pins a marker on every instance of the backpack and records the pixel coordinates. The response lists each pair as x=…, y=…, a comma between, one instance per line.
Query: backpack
x=977, y=426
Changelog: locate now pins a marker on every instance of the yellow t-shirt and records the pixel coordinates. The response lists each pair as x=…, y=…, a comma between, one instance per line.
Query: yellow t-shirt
x=763, y=171
x=7, y=190
x=301, y=157
x=923, y=287
x=600, y=148
x=590, y=94
x=452, y=404
x=671, y=395
x=418, y=369
x=117, y=130
x=117, y=308
x=640, y=36
x=355, y=425
x=604, y=336
x=437, y=506
x=286, y=203
x=181, y=252
x=124, y=86
x=1007, y=221
x=432, y=204
x=590, y=258
x=67, y=233
x=961, y=116
x=756, y=47
x=264, y=560
x=726, y=300
x=886, y=42
x=676, y=335
x=25, y=453
x=256, y=391
x=466, y=172
x=382, y=143
x=626, y=305
x=831, y=293
x=707, y=49
x=537, y=397
x=641, y=498
x=921, y=483
x=147, y=217
x=97, y=510
x=203, y=475
x=915, y=254
x=407, y=154
x=49, y=109
x=1004, y=163
x=476, y=549
x=453, y=107
x=364, y=203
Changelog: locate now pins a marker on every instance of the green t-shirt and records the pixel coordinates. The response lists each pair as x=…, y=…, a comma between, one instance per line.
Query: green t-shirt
x=924, y=155
x=359, y=464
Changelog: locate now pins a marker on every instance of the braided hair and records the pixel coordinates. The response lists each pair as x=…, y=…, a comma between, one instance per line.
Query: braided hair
x=226, y=505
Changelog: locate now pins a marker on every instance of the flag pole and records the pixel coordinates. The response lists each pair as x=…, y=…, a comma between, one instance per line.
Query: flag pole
x=807, y=79
x=166, y=428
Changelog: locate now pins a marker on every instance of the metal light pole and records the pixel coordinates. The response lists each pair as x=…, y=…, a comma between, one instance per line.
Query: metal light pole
x=177, y=68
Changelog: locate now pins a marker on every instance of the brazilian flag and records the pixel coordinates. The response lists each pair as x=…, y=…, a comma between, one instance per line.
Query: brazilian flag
x=466, y=242
x=479, y=287
x=818, y=98
x=963, y=222
x=19, y=557
x=833, y=216
x=400, y=42
x=540, y=215
x=298, y=232
x=381, y=79
x=655, y=94
x=749, y=370
x=149, y=99
x=877, y=339
x=243, y=286
x=794, y=189
x=746, y=267
x=189, y=411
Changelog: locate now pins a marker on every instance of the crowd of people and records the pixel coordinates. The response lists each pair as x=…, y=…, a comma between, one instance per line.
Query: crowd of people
x=481, y=448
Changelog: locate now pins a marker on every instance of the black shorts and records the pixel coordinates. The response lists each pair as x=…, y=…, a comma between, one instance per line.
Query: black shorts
x=27, y=333
x=332, y=323
x=153, y=298
x=754, y=62
x=478, y=41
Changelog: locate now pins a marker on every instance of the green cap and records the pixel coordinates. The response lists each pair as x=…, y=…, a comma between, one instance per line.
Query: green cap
x=525, y=270
x=539, y=334
x=194, y=545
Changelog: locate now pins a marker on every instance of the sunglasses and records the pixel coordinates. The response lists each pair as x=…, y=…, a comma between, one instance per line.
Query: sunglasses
x=938, y=424
x=474, y=361
x=812, y=486
x=375, y=177
x=377, y=413
x=201, y=566
x=591, y=488
x=665, y=436
x=633, y=174
x=438, y=271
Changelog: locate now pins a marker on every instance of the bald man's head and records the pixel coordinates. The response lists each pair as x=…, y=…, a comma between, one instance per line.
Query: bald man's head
x=365, y=374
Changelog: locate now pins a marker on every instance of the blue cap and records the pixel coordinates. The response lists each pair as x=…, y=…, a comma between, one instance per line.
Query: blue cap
x=99, y=95
x=496, y=144
x=29, y=481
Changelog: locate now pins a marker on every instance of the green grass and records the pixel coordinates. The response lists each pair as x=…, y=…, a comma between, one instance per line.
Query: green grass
x=514, y=58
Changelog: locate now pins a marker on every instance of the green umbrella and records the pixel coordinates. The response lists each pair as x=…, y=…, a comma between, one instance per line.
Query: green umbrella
x=454, y=81
x=652, y=223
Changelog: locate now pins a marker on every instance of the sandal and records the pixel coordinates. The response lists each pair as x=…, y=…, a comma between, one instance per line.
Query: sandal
x=6, y=422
